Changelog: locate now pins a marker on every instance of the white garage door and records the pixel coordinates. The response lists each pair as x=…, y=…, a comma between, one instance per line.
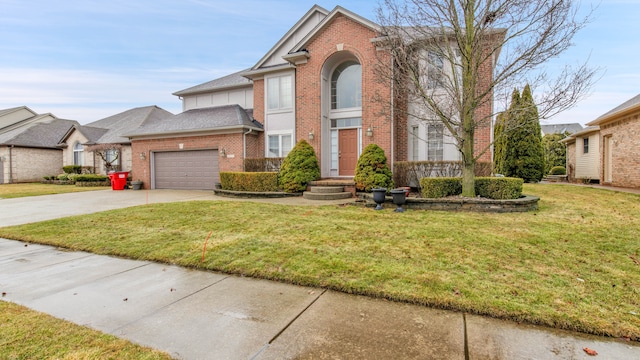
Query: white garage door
x=186, y=170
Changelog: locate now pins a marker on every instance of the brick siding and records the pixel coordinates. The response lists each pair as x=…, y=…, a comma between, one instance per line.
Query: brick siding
x=625, y=147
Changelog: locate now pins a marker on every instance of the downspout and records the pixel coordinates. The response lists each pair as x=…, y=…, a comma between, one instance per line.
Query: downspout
x=244, y=145
x=11, y=164
x=393, y=105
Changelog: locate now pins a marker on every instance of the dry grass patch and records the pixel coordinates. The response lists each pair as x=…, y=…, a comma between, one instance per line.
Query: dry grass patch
x=573, y=264
x=28, y=334
x=8, y=191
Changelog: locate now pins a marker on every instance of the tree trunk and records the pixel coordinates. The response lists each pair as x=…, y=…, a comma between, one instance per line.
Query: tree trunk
x=468, y=169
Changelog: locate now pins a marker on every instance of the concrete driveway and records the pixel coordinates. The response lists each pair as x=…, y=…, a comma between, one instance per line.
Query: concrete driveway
x=39, y=208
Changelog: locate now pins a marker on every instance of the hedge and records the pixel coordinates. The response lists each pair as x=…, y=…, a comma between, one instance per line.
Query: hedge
x=558, y=170
x=498, y=188
x=249, y=181
x=91, y=178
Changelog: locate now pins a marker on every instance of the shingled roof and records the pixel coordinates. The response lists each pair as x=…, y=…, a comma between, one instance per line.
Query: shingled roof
x=631, y=103
x=199, y=120
x=226, y=82
x=42, y=135
x=110, y=129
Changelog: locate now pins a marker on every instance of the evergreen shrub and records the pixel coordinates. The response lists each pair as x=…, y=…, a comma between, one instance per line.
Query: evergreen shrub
x=558, y=170
x=249, y=181
x=372, y=170
x=72, y=169
x=498, y=188
x=441, y=187
x=299, y=168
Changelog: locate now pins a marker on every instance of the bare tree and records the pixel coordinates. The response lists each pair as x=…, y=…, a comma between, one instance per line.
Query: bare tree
x=455, y=58
x=109, y=153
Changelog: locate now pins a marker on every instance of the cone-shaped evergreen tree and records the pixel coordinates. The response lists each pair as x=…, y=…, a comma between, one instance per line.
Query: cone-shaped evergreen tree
x=499, y=144
x=299, y=168
x=372, y=170
x=526, y=155
x=509, y=124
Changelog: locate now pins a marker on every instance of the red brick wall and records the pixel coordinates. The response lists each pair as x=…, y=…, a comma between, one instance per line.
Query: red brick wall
x=625, y=150
x=483, y=131
x=258, y=100
x=232, y=143
x=375, y=94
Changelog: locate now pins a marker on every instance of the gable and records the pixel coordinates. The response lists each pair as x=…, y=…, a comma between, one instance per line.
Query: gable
x=299, y=31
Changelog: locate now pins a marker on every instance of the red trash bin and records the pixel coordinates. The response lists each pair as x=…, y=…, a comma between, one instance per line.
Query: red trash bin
x=118, y=179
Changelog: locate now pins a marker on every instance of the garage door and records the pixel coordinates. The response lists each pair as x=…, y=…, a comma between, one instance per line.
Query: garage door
x=186, y=170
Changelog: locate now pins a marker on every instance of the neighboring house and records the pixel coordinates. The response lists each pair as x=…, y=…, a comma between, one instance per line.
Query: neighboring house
x=619, y=158
x=560, y=128
x=583, y=155
x=28, y=145
x=77, y=141
x=320, y=83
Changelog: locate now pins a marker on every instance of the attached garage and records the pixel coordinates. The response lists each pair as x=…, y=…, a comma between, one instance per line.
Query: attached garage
x=186, y=170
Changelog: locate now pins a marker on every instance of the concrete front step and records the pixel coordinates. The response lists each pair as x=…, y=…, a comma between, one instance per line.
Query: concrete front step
x=309, y=195
x=326, y=189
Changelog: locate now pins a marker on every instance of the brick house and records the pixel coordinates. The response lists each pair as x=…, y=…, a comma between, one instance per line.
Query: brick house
x=319, y=83
x=619, y=135
x=28, y=145
x=78, y=138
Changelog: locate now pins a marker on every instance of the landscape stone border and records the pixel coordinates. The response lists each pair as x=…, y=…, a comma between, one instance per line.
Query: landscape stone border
x=457, y=203
x=254, y=194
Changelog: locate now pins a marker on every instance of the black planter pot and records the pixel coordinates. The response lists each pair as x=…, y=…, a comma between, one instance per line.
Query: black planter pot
x=379, y=195
x=399, y=198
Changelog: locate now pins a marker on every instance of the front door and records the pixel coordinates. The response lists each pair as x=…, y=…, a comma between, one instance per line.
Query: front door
x=347, y=151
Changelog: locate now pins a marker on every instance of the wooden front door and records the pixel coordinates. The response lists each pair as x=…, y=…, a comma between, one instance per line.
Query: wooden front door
x=347, y=151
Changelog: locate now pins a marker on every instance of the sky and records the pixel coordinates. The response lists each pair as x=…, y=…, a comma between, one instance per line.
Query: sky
x=86, y=60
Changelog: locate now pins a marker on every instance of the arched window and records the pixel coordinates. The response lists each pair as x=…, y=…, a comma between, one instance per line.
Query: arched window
x=346, y=86
x=78, y=152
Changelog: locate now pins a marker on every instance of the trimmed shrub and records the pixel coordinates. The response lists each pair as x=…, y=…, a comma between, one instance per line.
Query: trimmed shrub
x=440, y=187
x=249, y=181
x=372, y=170
x=558, y=170
x=72, y=169
x=63, y=177
x=499, y=188
x=299, y=168
x=91, y=178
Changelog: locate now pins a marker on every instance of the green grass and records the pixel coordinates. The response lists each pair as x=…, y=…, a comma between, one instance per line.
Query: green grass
x=573, y=264
x=8, y=191
x=27, y=334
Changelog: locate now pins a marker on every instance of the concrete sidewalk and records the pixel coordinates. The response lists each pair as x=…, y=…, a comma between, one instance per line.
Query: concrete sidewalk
x=204, y=315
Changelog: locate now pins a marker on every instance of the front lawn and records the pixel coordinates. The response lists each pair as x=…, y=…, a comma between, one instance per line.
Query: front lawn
x=8, y=191
x=573, y=264
x=28, y=334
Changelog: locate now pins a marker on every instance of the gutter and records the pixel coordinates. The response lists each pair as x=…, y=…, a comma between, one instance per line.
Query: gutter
x=244, y=143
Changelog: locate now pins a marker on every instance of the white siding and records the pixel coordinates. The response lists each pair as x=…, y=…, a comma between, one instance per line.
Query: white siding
x=588, y=165
x=14, y=117
x=242, y=97
x=301, y=32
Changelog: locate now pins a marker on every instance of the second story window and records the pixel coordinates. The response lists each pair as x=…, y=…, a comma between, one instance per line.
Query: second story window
x=435, y=71
x=435, y=142
x=279, y=93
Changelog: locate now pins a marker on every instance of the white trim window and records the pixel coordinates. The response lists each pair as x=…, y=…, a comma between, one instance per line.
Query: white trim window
x=435, y=142
x=78, y=154
x=279, y=145
x=279, y=93
x=415, y=143
x=435, y=70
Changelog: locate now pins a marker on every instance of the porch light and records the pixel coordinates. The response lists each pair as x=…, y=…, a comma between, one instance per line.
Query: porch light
x=369, y=132
x=311, y=135
x=143, y=156
x=223, y=153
